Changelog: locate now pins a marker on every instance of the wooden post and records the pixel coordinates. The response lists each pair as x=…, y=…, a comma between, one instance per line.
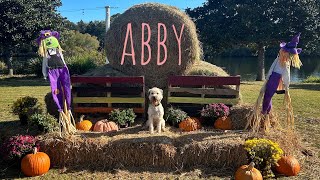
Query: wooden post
x=109, y=94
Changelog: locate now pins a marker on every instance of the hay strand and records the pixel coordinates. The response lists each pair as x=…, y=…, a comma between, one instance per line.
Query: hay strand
x=255, y=117
x=289, y=111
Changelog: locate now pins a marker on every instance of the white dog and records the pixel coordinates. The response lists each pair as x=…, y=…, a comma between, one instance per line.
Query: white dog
x=155, y=111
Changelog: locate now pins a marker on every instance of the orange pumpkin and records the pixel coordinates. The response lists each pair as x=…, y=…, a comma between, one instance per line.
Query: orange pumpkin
x=247, y=172
x=197, y=121
x=288, y=165
x=35, y=164
x=84, y=125
x=189, y=124
x=223, y=123
x=105, y=126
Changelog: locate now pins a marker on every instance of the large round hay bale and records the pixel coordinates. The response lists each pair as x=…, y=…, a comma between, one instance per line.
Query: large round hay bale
x=152, y=14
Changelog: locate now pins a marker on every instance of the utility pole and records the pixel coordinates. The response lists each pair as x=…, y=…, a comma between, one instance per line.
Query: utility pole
x=107, y=27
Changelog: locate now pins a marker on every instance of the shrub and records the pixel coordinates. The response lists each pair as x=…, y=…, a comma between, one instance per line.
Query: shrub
x=175, y=115
x=3, y=68
x=51, y=106
x=264, y=153
x=123, y=117
x=14, y=148
x=25, y=107
x=215, y=110
x=45, y=122
x=80, y=64
x=35, y=67
x=312, y=79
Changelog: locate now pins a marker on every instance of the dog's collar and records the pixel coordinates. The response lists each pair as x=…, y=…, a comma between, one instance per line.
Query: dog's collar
x=155, y=105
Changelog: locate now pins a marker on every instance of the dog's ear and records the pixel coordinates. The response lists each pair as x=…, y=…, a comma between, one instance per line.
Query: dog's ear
x=161, y=91
x=149, y=91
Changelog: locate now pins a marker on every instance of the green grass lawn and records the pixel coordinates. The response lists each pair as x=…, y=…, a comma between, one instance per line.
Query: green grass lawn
x=305, y=100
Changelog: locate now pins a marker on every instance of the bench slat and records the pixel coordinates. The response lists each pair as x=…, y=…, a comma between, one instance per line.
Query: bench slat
x=104, y=80
x=198, y=100
x=102, y=110
x=123, y=90
x=108, y=100
x=208, y=91
x=203, y=80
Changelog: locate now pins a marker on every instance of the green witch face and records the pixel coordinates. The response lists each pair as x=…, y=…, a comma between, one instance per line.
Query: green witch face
x=51, y=42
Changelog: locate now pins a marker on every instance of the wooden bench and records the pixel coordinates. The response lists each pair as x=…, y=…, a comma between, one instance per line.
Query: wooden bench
x=103, y=94
x=186, y=90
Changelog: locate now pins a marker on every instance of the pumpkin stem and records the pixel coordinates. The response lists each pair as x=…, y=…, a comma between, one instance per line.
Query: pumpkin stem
x=251, y=166
x=81, y=118
x=35, y=150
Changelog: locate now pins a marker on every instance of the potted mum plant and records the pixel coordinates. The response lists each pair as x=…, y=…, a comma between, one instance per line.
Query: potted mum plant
x=174, y=116
x=124, y=118
x=25, y=107
x=211, y=112
x=16, y=147
x=264, y=153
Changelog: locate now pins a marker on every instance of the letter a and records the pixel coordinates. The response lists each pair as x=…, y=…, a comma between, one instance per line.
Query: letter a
x=129, y=32
x=162, y=43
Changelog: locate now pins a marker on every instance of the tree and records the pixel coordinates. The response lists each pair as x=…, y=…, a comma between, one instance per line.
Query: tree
x=258, y=23
x=76, y=43
x=21, y=21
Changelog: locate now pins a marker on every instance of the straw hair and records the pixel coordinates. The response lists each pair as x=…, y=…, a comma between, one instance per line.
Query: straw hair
x=152, y=14
x=292, y=58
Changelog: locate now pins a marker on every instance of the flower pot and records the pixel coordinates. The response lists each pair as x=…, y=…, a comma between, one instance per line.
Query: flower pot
x=23, y=119
x=128, y=124
x=207, y=121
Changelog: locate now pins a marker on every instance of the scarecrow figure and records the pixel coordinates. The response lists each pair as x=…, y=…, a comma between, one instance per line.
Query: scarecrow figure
x=54, y=67
x=277, y=81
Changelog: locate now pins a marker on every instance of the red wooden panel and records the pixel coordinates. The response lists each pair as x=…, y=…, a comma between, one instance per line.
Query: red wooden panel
x=203, y=80
x=104, y=80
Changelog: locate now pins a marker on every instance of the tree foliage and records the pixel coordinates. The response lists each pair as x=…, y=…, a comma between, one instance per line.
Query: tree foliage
x=259, y=23
x=75, y=43
x=21, y=21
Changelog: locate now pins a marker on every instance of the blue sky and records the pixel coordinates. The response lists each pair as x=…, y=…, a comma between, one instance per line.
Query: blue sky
x=89, y=10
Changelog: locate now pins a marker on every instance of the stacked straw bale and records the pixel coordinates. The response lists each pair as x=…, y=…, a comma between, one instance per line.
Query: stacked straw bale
x=153, y=13
x=142, y=151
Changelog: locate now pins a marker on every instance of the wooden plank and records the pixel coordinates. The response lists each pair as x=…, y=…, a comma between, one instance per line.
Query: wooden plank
x=208, y=91
x=119, y=90
x=203, y=80
x=197, y=100
x=104, y=80
x=102, y=110
x=79, y=100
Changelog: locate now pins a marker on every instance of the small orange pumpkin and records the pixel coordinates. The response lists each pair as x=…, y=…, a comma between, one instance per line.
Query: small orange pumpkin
x=288, y=165
x=105, y=126
x=223, y=123
x=197, y=121
x=248, y=172
x=35, y=164
x=84, y=125
x=189, y=124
